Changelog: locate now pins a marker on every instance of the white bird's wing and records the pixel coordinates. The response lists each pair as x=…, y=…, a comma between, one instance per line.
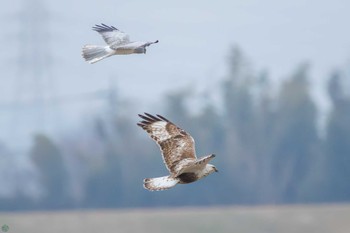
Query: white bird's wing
x=112, y=35
x=131, y=45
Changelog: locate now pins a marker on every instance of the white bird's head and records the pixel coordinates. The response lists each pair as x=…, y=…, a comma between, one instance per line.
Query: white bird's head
x=211, y=168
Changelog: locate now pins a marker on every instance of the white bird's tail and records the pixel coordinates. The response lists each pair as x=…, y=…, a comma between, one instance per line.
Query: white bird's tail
x=95, y=53
x=160, y=183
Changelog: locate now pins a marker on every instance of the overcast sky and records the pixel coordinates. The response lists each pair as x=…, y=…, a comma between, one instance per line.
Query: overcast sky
x=195, y=38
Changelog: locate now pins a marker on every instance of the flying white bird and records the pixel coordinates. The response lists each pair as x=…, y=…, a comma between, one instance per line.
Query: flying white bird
x=118, y=43
x=178, y=152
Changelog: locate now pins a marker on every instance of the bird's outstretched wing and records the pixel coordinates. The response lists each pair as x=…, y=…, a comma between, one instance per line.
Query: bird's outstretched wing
x=176, y=145
x=112, y=35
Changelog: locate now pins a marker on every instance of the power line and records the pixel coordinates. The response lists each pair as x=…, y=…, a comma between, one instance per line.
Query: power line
x=68, y=99
x=33, y=71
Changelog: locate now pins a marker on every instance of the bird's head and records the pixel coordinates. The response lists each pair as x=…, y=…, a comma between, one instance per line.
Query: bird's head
x=212, y=168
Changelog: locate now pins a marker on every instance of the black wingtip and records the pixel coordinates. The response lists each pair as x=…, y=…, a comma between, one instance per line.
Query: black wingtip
x=103, y=28
x=163, y=118
x=149, y=118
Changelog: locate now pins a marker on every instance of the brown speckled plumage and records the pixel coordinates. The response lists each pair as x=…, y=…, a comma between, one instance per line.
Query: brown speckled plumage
x=178, y=151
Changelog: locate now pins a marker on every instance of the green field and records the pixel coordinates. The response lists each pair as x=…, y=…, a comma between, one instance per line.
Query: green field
x=262, y=219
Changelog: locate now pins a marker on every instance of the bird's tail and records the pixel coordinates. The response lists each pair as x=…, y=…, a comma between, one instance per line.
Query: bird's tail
x=160, y=183
x=95, y=53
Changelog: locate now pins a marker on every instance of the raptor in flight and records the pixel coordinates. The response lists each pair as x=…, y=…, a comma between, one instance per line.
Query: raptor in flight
x=118, y=43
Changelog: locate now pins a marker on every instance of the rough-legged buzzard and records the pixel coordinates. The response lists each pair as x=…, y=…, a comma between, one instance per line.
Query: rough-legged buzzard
x=178, y=152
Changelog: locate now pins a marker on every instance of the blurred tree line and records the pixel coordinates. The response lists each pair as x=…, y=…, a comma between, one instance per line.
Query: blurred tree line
x=268, y=149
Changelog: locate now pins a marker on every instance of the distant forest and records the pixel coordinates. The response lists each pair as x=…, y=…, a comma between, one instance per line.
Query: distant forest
x=268, y=146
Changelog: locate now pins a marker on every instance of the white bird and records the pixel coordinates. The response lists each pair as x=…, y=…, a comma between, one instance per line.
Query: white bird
x=118, y=43
x=178, y=152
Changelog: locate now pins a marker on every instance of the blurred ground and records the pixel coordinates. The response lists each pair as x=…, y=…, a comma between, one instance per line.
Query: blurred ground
x=286, y=219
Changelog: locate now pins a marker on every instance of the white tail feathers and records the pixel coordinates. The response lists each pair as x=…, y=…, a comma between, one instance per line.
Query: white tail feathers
x=160, y=183
x=95, y=53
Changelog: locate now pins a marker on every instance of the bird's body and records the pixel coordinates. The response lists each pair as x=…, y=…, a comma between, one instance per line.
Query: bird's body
x=178, y=153
x=118, y=43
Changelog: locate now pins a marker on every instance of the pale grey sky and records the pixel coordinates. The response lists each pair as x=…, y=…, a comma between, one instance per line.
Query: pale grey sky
x=195, y=37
